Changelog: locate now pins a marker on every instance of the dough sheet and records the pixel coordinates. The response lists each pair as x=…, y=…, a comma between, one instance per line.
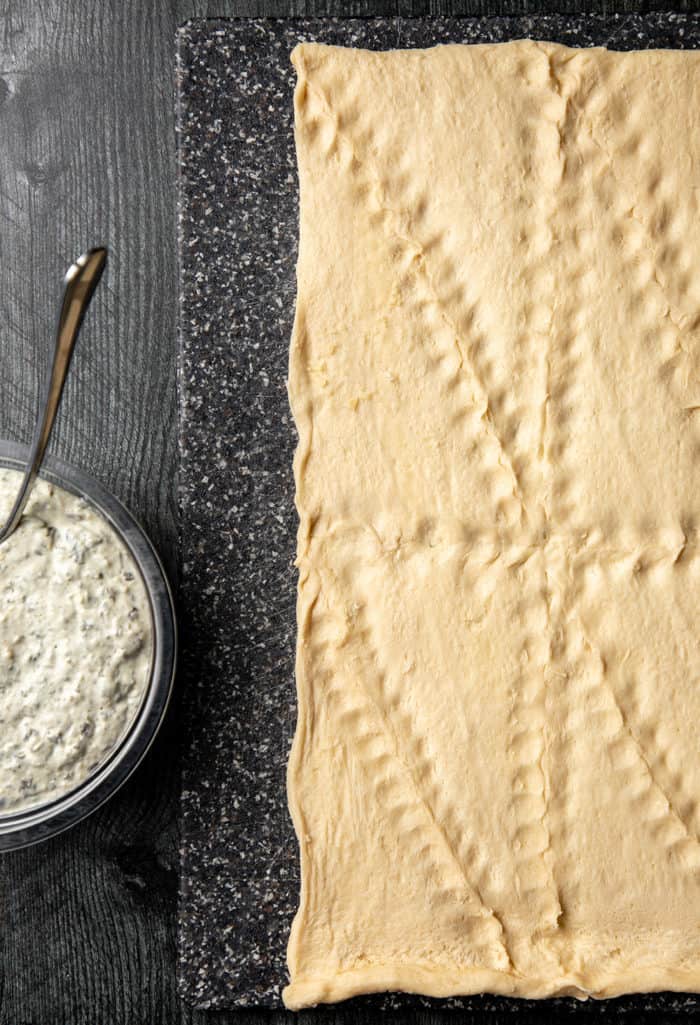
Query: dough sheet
x=494, y=375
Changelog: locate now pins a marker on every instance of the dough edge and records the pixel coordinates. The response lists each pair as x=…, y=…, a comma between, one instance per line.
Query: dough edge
x=441, y=983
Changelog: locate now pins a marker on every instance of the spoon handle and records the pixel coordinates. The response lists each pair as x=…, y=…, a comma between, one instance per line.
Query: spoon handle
x=81, y=281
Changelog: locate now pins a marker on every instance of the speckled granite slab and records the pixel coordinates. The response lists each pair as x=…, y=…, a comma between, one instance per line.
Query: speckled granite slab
x=238, y=237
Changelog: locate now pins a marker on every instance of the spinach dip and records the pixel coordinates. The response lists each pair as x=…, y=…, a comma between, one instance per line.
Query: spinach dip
x=76, y=644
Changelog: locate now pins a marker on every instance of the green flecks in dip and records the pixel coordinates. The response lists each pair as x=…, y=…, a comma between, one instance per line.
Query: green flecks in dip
x=76, y=643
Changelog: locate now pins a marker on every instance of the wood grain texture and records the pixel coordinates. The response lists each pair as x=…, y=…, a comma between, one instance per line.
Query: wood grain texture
x=87, y=155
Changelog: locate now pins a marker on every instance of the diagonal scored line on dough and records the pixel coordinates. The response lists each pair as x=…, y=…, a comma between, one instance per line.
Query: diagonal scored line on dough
x=623, y=728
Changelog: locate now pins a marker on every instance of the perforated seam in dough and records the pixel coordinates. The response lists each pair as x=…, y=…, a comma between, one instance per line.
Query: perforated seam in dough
x=672, y=816
x=560, y=509
x=549, y=898
x=554, y=443
x=558, y=808
x=650, y=247
x=530, y=855
x=514, y=551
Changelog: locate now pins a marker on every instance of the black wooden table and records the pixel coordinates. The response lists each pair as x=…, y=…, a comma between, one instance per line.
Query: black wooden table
x=87, y=155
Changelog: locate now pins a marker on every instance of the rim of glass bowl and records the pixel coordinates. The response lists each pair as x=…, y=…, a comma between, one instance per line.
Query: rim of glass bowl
x=41, y=821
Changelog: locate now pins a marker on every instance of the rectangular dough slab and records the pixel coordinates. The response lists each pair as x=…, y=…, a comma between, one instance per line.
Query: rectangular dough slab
x=494, y=374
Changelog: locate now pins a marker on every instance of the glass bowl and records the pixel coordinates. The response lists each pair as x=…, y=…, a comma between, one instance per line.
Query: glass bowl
x=41, y=821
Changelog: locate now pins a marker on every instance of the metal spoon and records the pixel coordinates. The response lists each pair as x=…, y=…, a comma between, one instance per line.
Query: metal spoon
x=81, y=280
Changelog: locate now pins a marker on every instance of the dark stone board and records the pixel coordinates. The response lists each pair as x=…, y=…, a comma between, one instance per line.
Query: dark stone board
x=238, y=244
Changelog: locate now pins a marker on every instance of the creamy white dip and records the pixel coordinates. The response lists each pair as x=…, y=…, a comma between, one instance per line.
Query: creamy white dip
x=75, y=644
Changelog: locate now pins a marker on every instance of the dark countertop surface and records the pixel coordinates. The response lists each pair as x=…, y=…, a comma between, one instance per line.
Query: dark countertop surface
x=87, y=155
x=238, y=230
